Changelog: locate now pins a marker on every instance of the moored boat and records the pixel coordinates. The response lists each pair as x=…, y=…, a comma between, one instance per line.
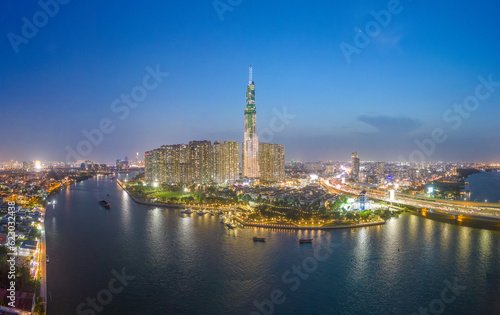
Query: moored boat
x=305, y=240
x=231, y=225
x=104, y=203
x=259, y=239
x=201, y=212
x=187, y=211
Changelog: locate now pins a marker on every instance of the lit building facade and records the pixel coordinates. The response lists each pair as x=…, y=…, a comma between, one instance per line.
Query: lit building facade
x=155, y=165
x=272, y=162
x=198, y=162
x=250, y=147
x=355, y=166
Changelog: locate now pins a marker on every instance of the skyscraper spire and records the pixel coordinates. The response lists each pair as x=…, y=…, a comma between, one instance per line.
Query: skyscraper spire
x=250, y=148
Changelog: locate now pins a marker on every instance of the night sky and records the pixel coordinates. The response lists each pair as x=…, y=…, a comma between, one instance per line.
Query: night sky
x=398, y=88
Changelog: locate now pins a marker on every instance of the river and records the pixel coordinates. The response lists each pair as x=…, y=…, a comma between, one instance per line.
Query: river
x=196, y=265
x=485, y=186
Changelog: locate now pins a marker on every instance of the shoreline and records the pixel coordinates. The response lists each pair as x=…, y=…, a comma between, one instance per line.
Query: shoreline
x=182, y=206
x=144, y=202
x=43, y=252
x=278, y=226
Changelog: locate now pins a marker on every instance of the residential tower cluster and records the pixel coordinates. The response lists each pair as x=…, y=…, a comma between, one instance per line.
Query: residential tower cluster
x=219, y=162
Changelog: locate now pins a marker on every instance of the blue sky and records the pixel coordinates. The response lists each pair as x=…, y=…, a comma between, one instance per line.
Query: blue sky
x=395, y=91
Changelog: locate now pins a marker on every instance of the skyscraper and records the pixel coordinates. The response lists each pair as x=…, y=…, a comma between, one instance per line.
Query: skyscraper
x=250, y=147
x=355, y=166
x=198, y=162
x=272, y=162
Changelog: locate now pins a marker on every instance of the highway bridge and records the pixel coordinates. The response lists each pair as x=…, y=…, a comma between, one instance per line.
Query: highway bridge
x=456, y=208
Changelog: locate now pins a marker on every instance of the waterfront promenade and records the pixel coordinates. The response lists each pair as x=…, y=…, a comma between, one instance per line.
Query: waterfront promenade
x=293, y=227
x=244, y=223
x=156, y=204
x=43, y=263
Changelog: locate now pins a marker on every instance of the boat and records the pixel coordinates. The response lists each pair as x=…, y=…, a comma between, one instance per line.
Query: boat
x=112, y=178
x=305, y=240
x=259, y=239
x=187, y=211
x=104, y=203
x=222, y=219
x=201, y=212
x=231, y=225
x=212, y=212
x=47, y=258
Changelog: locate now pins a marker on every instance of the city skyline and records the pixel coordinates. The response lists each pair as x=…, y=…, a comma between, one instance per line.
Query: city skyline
x=369, y=181
x=391, y=94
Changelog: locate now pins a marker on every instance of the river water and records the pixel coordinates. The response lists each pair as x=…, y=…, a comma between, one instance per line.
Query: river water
x=485, y=186
x=196, y=265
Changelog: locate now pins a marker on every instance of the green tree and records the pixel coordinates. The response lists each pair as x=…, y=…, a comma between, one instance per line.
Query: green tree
x=350, y=216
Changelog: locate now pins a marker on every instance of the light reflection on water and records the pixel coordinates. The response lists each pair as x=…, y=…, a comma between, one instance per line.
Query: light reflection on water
x=194, y=264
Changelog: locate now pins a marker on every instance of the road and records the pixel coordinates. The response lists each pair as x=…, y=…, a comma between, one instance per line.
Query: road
x=445, y=206
x=43, y=263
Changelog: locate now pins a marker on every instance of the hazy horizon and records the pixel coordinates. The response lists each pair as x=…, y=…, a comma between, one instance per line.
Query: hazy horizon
x=396, y=89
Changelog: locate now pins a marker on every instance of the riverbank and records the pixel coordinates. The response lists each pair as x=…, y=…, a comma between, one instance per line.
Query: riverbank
x=43, y=244
x=244, y=223
x=293, y=227
x=146, y=203
x=478, y=222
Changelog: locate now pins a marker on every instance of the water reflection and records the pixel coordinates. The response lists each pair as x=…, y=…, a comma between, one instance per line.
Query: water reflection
x=362, y=252
x=193, y=264
x=464, y=246
x=125, y=209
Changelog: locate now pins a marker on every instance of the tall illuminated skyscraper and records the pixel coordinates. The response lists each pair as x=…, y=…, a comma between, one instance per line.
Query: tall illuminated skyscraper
x=250, y=147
